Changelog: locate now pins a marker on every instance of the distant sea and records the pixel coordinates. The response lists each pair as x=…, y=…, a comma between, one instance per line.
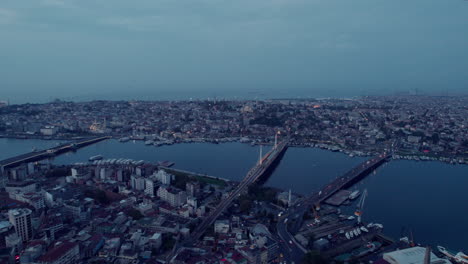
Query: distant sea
x=253, y=94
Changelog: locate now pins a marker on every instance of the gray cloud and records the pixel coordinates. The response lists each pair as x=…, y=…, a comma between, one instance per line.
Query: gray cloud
x=75, y=48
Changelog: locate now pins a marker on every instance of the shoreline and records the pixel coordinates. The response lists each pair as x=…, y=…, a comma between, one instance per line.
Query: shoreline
x=255, y=142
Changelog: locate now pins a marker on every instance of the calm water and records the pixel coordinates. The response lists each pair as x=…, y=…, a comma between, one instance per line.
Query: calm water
x=429, y=197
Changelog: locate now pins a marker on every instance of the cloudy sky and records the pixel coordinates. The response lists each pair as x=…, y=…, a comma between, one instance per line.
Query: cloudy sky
x=157, y=49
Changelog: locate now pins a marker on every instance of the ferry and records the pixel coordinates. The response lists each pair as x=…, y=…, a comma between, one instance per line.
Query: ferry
x=97, y=157
x=446, y=252
x=354, y=195
x=459, y=257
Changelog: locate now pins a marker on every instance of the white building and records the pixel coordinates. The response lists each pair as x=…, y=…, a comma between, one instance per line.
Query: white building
x=149, y=187
x=20, y=187
x=156, y=240
x=221, y=226
x=49, y=130
x=174, y=197
x=137, y=182
x=21, y=219
x=64, y=253
x=414, y=255
x=164, y=177
x=34, y=199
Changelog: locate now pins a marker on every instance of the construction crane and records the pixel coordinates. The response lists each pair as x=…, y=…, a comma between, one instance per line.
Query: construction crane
x=360, y=206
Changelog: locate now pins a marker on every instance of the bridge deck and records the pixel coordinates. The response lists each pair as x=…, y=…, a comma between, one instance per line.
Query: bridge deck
x=43, y=154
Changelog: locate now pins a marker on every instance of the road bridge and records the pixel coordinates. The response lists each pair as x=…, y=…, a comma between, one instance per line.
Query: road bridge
x=295, y=213
x=47, y=153
x=263, y=167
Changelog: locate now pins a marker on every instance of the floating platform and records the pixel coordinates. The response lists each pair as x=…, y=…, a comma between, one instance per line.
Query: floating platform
x=338, y=198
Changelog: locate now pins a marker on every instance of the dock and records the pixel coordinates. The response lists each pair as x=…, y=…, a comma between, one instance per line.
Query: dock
x=338, y=198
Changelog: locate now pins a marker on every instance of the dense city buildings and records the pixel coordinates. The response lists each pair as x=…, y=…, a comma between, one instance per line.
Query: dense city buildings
x=421, y=127
x=120, y=210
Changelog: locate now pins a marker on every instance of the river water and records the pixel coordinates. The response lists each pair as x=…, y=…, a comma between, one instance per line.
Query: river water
x=431, y=198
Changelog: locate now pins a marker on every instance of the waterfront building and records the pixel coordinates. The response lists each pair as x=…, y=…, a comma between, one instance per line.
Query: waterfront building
x=192, y=188
x=413, y=255
x=173, y=196
x=164, y=177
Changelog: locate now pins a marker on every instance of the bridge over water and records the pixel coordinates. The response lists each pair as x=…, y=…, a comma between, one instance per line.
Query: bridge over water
x=265, y=165
x=297, y=211
x=47, y=153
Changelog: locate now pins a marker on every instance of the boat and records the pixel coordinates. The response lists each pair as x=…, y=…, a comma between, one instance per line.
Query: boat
x=124, y=139
x=149, y=142
x=364, y=229
x=358, y=230
x=97, y=157
x=446, y=252
x=347, y=236
x=461, y=257
x=359, y=252
x=355, y=232
x=354, y=195
x=351, y=234
x=370, y=247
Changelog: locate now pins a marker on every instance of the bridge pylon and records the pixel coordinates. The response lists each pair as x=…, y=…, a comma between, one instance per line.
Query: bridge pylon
x=260, y=157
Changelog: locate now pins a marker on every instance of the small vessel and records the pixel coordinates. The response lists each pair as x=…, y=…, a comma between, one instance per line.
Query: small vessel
x=354, y=195
x=359, y=252
x=347, y=235
x=97, y=157
x=459, y=257
x=358, y=230
x=351, y=234
x=149, y=142
x=124, y=139
x=355, y=232
x=364, y=229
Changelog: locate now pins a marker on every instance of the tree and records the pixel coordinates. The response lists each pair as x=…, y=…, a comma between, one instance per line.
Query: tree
x=245, y=205
x=58, y=172
x=135, y=214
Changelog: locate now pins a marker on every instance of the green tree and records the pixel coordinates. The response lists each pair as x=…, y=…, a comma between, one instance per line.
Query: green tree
x=135, y=214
